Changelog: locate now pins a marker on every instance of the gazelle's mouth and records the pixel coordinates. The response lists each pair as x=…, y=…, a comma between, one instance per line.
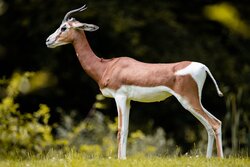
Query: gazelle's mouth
x=50, y=45
x=54, y=43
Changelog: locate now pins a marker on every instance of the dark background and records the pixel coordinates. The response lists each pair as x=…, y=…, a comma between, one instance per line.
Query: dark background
x=149, y=31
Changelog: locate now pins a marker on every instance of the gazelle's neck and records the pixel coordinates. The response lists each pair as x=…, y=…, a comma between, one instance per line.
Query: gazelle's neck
x=93, y=65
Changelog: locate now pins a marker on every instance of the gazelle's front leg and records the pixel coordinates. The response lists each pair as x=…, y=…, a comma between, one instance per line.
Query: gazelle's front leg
x=123, y=107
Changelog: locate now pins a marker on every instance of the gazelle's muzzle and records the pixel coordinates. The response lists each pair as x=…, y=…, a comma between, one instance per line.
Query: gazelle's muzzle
x=49, y=43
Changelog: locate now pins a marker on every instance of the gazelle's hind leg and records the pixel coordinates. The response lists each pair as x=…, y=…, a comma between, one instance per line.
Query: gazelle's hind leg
x=189, y=90
x=218, y=134
x=188, y=93
x=212, y=124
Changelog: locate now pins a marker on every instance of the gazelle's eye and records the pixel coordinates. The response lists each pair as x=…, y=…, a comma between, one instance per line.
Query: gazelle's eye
x=63, y=28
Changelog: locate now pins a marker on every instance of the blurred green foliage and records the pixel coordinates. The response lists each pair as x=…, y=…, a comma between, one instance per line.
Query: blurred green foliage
x=228, y=15
x=96, y=135
x=22, y=131
x=214, y=33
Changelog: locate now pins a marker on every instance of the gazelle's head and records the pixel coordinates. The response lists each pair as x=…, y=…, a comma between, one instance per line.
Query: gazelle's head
x=64, y=34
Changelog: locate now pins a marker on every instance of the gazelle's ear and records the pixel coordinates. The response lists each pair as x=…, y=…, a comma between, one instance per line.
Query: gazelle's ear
x=85, y=26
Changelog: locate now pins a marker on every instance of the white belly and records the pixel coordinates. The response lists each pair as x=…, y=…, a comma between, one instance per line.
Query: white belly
x=140, y=94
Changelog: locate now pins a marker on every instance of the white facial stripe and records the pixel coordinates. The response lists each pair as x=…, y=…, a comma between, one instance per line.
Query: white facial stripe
x=52, y=40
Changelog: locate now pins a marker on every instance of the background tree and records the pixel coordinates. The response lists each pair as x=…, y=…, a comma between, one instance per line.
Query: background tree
x=214, y=33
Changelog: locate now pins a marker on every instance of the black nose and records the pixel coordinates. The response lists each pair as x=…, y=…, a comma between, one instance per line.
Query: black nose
x=47, y=40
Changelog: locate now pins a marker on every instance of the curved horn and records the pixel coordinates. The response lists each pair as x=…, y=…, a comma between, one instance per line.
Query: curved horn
x=74, y=11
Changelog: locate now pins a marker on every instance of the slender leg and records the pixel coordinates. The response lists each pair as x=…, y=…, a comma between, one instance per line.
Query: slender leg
x=217, y=134
x=123, y=107
x=210, y=142
x=218, y=138
x=212, y=125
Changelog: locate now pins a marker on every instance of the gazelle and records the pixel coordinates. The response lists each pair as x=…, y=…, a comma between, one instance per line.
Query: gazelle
x=126, y=79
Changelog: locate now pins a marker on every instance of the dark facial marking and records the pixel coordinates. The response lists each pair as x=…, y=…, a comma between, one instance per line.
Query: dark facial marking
x=64, y=28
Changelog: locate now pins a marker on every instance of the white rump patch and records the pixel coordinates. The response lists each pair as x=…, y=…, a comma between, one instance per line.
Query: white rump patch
x=198, y=73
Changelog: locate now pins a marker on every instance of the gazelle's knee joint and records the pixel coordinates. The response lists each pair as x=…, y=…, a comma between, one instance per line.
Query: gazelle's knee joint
x=210, y=131
x=217, y=128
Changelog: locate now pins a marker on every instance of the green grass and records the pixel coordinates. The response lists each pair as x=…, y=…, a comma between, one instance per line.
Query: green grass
x=74, y=159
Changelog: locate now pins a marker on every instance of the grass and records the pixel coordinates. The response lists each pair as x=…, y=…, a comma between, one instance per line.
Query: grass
x=73, y=159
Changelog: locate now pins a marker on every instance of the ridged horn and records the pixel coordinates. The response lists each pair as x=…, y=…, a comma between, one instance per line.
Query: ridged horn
x=66, y=17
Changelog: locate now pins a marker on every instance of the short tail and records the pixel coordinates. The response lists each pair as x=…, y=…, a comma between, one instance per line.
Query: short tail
x=215, y=83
